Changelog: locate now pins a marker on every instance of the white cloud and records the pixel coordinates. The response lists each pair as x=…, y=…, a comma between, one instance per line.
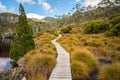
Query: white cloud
x=91, y=2
x=46, y=5
x=33, y=15
x=2, y=7
x=77, y=0
x=26, y=1
x=51, y=11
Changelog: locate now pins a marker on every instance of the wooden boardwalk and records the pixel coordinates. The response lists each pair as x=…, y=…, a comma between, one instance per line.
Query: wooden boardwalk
x=62, y=69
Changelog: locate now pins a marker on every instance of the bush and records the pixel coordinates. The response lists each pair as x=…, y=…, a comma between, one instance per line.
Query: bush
x=115, y=31
x=110, y=72
x=95, y=26
x=53, y=32
x=80, y=70
x=115, y=15
x=86, y=57
x=115, y=19
x=39, y=64
x=66, y=30
x=16, y=53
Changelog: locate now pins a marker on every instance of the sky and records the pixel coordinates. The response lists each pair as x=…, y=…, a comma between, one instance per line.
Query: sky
x=43, y=8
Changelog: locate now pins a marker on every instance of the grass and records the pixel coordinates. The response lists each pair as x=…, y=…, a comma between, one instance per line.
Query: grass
x=40, y=64
x=92, y=43
x=88, y=48
x=37, y=77
x=41, y=60
x=107, y=48
x=80, y=70
x=84, y=51
x=86, y=57
x=110, y=72
x=43, y=43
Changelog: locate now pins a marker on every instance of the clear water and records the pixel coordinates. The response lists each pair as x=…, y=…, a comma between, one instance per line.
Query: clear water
x=4, y=64
x=4, y=54
x=102, y=63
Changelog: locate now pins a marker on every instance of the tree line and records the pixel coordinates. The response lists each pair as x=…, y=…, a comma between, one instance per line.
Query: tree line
x=80, y=14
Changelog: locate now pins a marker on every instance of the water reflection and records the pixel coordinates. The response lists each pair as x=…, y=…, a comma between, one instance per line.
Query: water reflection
x=4, y=64
x=5, y=45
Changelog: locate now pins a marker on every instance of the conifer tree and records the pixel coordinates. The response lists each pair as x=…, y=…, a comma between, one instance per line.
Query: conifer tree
x=23, y=40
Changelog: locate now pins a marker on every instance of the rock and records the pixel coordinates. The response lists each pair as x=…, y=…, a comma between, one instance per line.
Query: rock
x=17, y=73
x=24, y=78
x=21, y=62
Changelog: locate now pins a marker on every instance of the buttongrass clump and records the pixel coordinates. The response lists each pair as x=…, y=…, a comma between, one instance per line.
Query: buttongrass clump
x=110, y=72
x=39, y=64
x=80, y=70
x=86, y=57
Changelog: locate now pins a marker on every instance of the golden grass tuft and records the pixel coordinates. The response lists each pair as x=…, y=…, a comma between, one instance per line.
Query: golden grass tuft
x=93, y=43
x=99, y=45
x=80, y=71
x=41, y=60
x=75, y=30
x=44, y=45
x=110, y=72
x=102, y=47
x=86, y=57
x=39, y=64
x=31, y=53
x=37, y=77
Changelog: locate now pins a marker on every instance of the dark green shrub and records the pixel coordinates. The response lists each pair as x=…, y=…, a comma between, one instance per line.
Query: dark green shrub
x=115, y=31
x=115, y=15
x=96, y=26
x=115, y=19
x=69, y=27
x=66, y=30
x=80, y=71
x=23, y=40
x=53, y=32
x=110, y=72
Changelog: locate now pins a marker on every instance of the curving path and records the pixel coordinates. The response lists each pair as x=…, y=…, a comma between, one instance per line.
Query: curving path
x=62, y=69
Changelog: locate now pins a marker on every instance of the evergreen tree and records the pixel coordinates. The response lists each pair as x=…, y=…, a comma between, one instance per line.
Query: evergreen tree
x=23, y=40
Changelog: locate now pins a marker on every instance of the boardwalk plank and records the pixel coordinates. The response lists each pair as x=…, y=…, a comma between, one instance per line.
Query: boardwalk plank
x=62, y=69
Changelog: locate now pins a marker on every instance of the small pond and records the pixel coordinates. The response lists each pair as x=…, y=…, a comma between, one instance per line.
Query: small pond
x=4, y=54
x=102, y=63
